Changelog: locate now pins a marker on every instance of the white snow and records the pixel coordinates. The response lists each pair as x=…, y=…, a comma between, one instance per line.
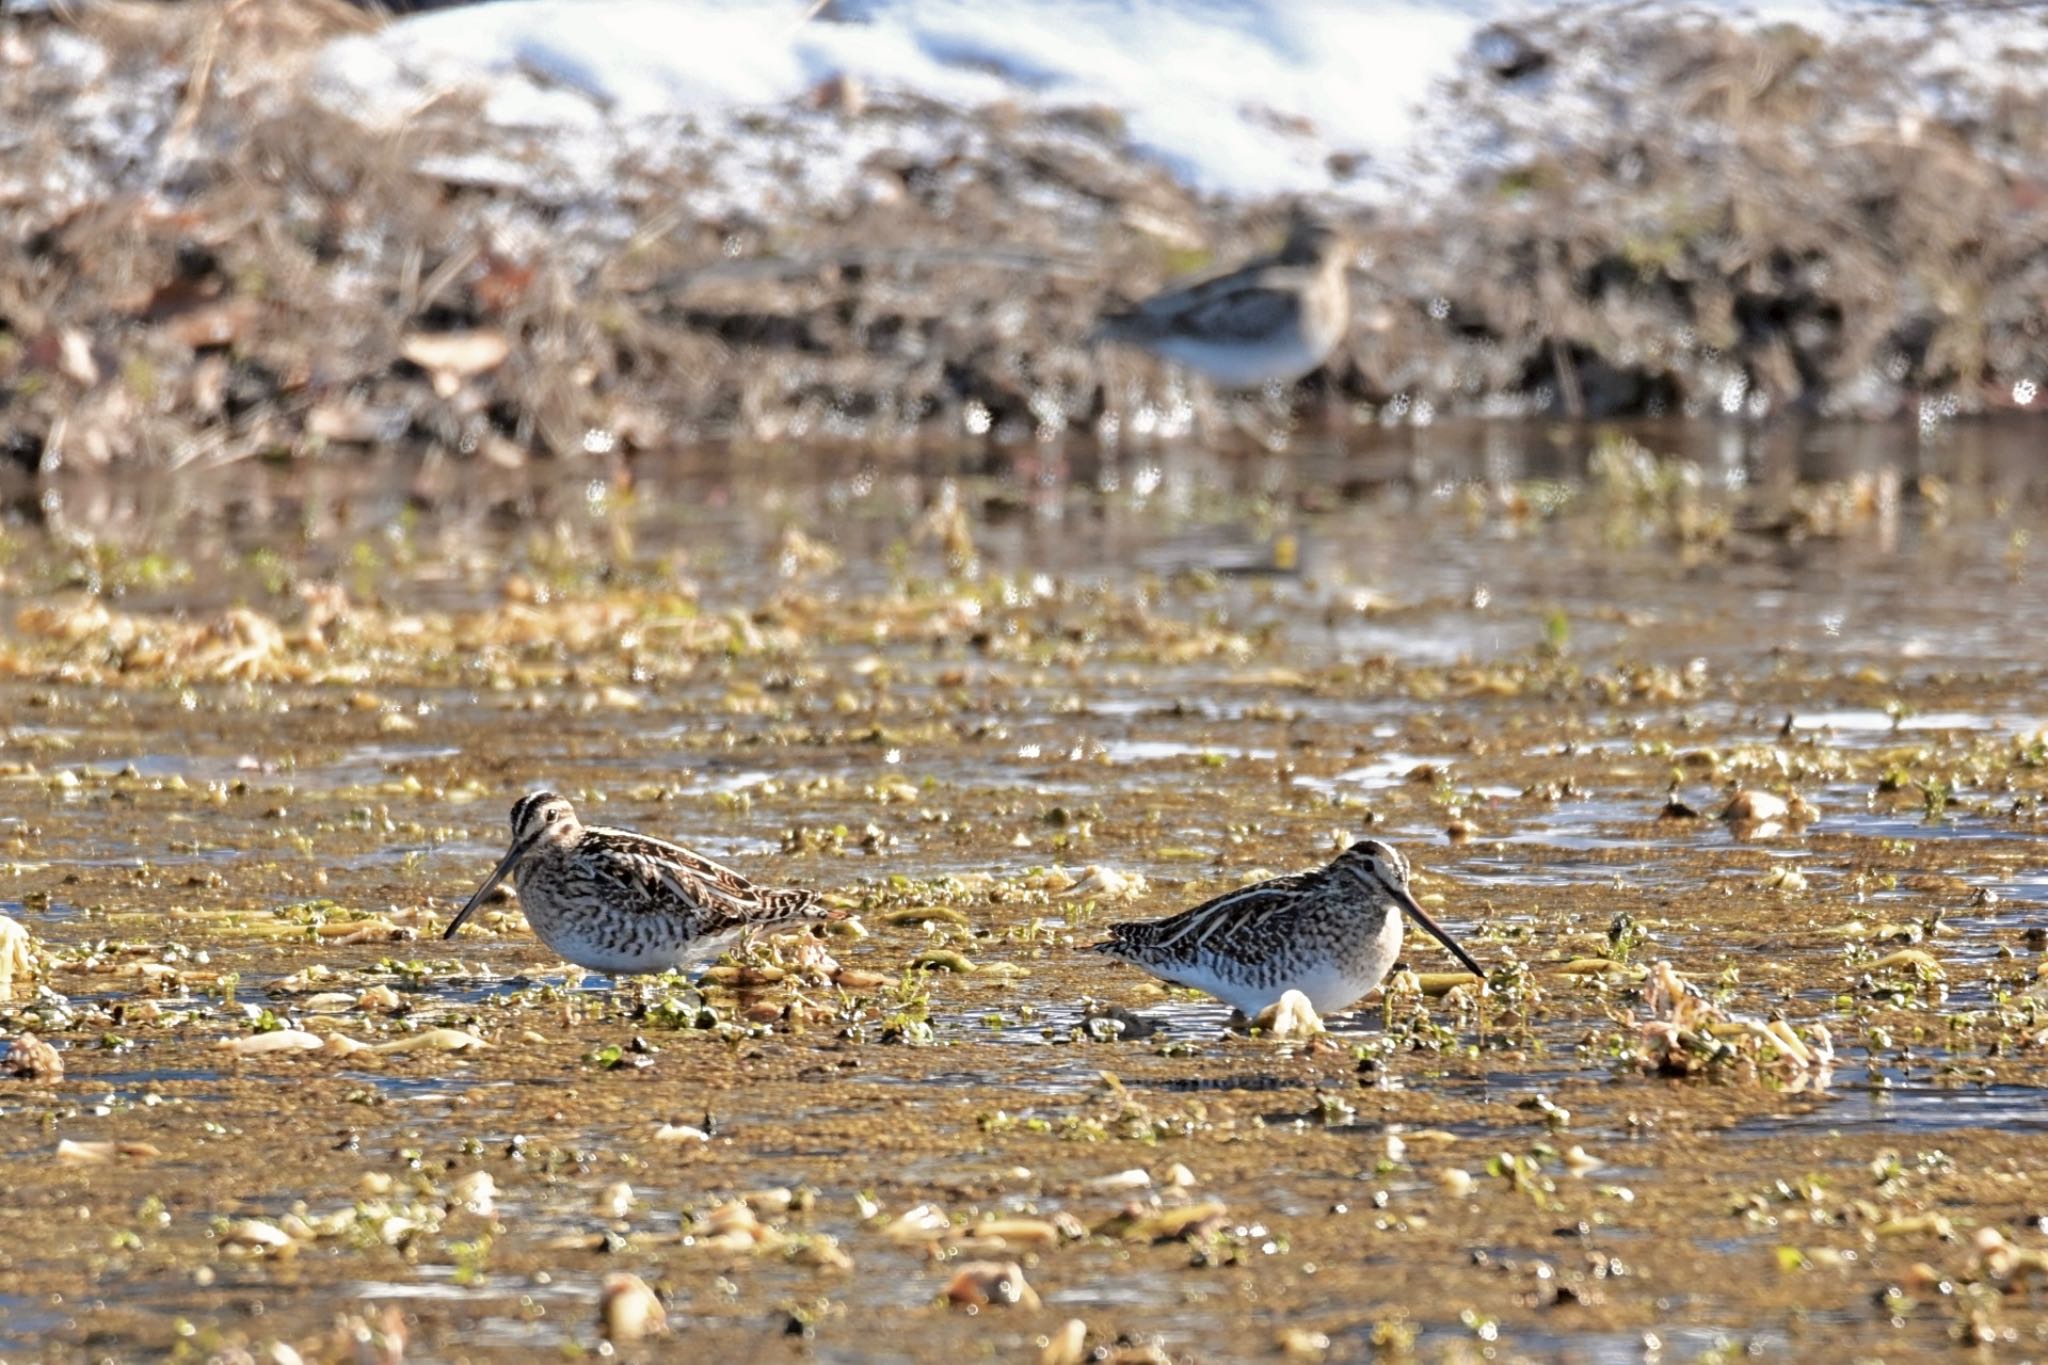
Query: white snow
x=1242, y=97
x=1235, y=97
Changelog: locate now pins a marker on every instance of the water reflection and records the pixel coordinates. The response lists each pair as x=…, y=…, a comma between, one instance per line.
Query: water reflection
x=1909, y=1107
x=1024, y=495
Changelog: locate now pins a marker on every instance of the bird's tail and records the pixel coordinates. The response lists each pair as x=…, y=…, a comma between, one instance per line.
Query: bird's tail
x=1116, y=945
x=796, y=904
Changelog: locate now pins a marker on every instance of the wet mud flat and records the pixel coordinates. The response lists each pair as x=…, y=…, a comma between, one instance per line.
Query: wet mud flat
x=250, y=768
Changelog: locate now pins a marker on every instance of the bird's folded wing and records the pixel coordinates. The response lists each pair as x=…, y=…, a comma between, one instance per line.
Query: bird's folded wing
x=1248, y=313
x=1218, y=920
x=693, y=878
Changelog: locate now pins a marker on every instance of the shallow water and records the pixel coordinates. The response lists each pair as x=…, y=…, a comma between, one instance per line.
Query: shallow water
x=1442, y=632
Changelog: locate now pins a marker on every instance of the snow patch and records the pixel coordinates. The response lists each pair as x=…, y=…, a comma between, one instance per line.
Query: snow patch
x=1237, y=97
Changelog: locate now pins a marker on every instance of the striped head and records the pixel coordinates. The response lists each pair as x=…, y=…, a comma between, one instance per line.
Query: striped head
x=1376, y=864
x=1384, y=873
x=539, y=820
x=1312, y=240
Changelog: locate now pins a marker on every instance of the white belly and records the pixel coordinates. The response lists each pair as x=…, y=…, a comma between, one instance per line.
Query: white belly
x=1282, y=358
x=583, y=941
x=1330, y=984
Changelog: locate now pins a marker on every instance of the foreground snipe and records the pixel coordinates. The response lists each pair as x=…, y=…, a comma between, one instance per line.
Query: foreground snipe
x=1272, y=320
x=1332, y=934
x=614, y=901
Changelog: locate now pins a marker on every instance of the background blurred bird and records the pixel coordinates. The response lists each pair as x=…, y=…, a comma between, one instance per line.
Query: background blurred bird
x=1271, y=320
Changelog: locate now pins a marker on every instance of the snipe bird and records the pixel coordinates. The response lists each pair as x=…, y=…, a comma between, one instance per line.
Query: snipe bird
x=618, y=902
x=1333, y=934
x=1271, y=320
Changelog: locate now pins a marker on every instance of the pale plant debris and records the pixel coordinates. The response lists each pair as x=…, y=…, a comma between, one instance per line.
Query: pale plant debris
x=17, y=955
x=29, y=1058
x=1683, y=1033
x=817, y=1138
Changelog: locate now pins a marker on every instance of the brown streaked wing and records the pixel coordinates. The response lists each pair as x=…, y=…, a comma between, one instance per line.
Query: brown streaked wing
x=1248, y=314
x=1194, y=289
x=1198, y=929
x=690, y=877
x=776, y=906
x=1161, y=313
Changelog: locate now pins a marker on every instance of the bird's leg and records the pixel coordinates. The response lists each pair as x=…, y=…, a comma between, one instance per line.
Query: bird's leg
x=1182, y=407
x=691, y=987
x=629, y=996
x=1269, y=422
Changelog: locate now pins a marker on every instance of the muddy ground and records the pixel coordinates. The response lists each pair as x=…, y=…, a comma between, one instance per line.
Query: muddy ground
x=262, y=733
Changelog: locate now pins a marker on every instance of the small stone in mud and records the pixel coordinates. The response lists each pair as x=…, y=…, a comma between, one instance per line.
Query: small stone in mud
x=254, y=1236
x=475, y=1193
x=615, y=1200
x=1754, y=807
x=1108, y=1023
x=1299, y=1343
x=1068, y=1345
x=1580, y=1162
x=1786, y=878
x=1748, y=807
x=981, y=1283
x=629, y=1310
x=779, y=1199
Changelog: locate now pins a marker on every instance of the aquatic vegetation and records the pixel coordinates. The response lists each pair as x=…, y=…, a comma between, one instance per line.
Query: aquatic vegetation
x=1683, y=1033
x=1704, y=1054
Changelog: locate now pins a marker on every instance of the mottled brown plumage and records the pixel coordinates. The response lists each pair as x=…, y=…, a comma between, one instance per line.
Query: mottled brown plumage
x=619, y=902
x=1332, y=934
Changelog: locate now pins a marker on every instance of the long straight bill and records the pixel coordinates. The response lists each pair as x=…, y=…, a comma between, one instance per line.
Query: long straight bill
x=490, y=885
x=1437, y=932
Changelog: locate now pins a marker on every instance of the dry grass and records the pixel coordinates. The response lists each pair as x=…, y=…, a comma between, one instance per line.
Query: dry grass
x=1757, y=215
x=208, y=265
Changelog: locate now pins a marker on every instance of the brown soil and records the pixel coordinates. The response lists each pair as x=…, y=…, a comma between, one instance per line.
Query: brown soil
x=207, y=265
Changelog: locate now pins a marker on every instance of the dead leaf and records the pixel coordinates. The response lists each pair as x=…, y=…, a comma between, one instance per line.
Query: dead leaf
x=451, y=357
